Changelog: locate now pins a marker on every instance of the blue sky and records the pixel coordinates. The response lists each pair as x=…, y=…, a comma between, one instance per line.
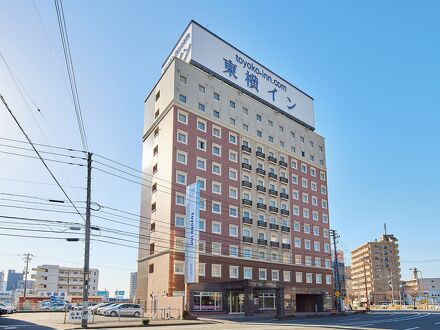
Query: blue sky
x=371, y=66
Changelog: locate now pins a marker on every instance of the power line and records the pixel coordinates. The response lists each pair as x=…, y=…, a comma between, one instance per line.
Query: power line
x=33, y=157
x=41, y=151
x=38, y=182
x=36, y=151
x=42, y=145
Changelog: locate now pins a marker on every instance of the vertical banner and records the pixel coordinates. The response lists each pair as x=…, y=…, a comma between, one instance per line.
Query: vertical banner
x=192, y=200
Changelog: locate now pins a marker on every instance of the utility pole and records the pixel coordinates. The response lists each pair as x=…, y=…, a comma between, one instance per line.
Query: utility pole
x=335, y=236
x=27, y=258
x=365, y=283
x=86, y=270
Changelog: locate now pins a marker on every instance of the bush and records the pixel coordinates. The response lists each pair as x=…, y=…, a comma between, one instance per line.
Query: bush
x=145, y=322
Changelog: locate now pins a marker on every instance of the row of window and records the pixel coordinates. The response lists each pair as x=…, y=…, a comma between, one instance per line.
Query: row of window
x=248, y=273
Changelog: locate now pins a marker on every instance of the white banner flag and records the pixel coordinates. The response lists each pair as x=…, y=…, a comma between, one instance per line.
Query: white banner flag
x=192, y=200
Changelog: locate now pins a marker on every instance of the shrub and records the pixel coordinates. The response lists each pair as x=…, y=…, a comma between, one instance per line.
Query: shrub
x=145, y=322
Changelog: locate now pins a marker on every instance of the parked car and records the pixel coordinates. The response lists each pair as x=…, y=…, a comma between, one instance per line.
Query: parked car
x=8, y=308
x=56, y=306
x=100, y=310
x=124, y=310
x=3, y=311
x=93, y=309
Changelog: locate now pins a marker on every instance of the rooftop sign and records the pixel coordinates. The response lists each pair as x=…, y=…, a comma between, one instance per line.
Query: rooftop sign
x=209, y=52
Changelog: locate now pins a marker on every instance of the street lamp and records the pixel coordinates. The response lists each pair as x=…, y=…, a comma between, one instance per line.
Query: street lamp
x=416, y=271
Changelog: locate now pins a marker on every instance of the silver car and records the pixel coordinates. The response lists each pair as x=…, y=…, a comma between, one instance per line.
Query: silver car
x=124, y=310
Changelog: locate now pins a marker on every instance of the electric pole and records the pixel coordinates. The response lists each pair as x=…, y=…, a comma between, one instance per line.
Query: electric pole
x=335, y=236
x=86, y=270
x=27, y=257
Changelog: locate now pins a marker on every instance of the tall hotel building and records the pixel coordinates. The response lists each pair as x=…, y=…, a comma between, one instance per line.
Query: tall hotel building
x=218, y=117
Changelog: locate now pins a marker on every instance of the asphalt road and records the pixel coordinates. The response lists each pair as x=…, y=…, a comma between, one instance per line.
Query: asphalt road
x=373, y=320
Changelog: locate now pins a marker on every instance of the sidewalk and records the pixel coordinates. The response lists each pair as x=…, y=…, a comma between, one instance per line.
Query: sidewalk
x=131, y=324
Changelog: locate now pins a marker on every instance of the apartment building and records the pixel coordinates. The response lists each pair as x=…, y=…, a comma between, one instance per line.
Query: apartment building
x=133, y=283
x=55, y=280
x=421, y=290
x=375, y=271
x=219, y=118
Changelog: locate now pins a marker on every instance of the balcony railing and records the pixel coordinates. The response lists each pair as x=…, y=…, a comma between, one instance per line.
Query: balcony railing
x=274, y=226
x=273, y=175
x=260, y=154
x=274, y=244
x=246, y=184
x=284, y=212
x=284, y=196
x=285, y=246
x=285, y=229
x=273, y=209
x=262, y=241
x=247, y=239
x=262, y=223
x=246, y=166
x=282, y=163
x=247, y=202
x=273, y=192
x=284, y=179
x=272, y=159
x=261, y=206
x=261, y=171
x=246, y=149
x=261, y=188
x=247, y=220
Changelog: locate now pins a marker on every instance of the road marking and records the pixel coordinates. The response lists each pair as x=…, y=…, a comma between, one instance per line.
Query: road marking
x=412, y=328
x=437, y=323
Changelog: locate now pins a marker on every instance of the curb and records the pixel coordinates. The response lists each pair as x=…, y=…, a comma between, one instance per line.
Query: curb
x=140, y=325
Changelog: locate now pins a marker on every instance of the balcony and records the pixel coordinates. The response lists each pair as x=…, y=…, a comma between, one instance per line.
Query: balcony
x=284, y=179
x=247, y=202
x=246, y=149
x=284, y=212
x=246, y=166
x=274, y=244
x=260, y=154
x=247, y=239
x=262, y=241
x=282, y=163
x=285, y=229
x=273, y=209
x=246, y=184
x=284, y=196
x=261, y=188
x=273, y=192
x=261, y=206
x=261, y=171
x=273, y=175
x=272, y=159
x=285, y=246
x=262, y=223
x=274, y=226
x=247, y=220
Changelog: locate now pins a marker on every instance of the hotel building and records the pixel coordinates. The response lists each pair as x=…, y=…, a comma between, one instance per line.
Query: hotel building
x=218, y=117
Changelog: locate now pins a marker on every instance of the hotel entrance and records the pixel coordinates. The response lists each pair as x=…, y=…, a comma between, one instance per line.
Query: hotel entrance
x=236, y=302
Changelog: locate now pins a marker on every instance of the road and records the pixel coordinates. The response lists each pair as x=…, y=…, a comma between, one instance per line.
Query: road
x=374, y=320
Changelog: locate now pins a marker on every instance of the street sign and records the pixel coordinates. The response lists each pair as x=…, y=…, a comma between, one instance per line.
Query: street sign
x=337, y=294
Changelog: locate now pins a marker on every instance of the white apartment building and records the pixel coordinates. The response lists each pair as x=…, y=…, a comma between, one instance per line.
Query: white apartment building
x=55, y=280
x=133, y=285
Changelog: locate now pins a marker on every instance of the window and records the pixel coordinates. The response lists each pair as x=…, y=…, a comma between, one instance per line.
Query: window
x=233, y=156
x=325, y=218
x=233, y=211
x=202, y=89
x=216, y=168
x=259, y=134
x=270, y=138
x=201, y=144
x=201, y=182
x=233, y=138
x=306, y=228
x=299, y=277
x=295, y=194
x=180, y=199
x=232, y=104
x=202, y=246
x=202, y=269
x=296, y=226
x=202, y=225
x=306, y=213
x=233, y=250
x=182, y=137
x=232, y=121
x=258, y=117
x=303, y=168
x=316, y=230
x=181, y=178
x=233, y=192
x=201, y=163
x=304, y=183
x=298, y=259
x=216, y=131
x=233, y=230
x=295, y=210
x=328, y=263
x=233, y=271
x=324, y=204
x=262, y=274
x=182, y=117
x=216, y=113
x=216, y=270
x=157, y=95
x=183, y=80
x=326, y=248
x=297, y=242
x=216, y=248
x=314, y=201
x=201, y=125
x=309, y=278
x=216, y=96
x=179, y=267
x=313, y=185
x=286, y=276
x=217, y=150
x=317, y=262
x=305, y=198
x=315, y=215
x=182, y=98
x=216, y=227
x=233, y=174
x=275, y=275
x=216, y=187
x=307, y=244
x=294, y=179
x=216, y=207
x=281, y=128
x=245, y=127
x=201, y=107
x=328, y=279
x=318, y=278
x=247, y=273
x=316, y=246
x=323, y=190
x=247, y=253
x=322, y=176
